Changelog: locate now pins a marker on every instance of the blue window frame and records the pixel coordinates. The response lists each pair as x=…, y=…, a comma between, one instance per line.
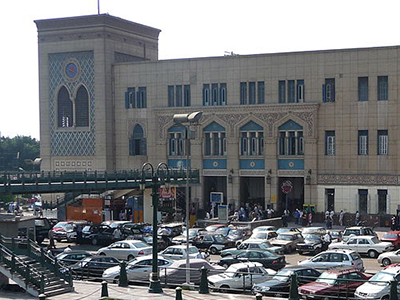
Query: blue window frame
x=243, y=93
x=171, y=96
x=252, y=92
x=329, y=90
x=261, y=92
x=186, y=95
x=362, y=88
x=383, y=88
x=282, y=91
x=291, y=91
x=363, y=142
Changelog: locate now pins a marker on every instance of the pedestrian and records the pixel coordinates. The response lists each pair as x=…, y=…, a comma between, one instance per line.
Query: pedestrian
x=393, y=227
x=331, y=214
x=117, y=234
x=68, y=249
x=327, y=219
x=357, y=221
x=326, y=240
x=310, y=218
x=79, y=233
x=296, y=216
x=52, y=244
x=341, y=216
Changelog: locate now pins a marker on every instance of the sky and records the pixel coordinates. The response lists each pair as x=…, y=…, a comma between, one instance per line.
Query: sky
x=189, y=29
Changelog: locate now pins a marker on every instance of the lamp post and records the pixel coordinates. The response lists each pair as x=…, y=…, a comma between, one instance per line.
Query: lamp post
x=161, y=174
x=188, y=119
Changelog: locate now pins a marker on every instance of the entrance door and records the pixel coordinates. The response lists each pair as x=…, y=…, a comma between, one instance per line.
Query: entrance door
x=295, y=196
x=252, y=191
x=213, y=184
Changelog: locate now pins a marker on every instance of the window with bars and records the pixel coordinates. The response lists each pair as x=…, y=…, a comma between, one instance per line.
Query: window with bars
x=252, y=92
x=383, y=142
x=251, y=143
x=293, y=94
x=214, y=94
x=363, y=142
x=329, y=90
x=363, y=201
x=137, y=142
x=178, y=95
x=382, y=201
x=362, y=88
x=215, y=143
x=291, y=143
x=383, y=88
x=330, y=142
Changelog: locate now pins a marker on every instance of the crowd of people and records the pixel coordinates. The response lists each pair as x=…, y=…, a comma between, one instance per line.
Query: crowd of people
x=252, y=213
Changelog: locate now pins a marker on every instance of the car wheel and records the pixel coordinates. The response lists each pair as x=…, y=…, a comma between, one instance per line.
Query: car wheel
x=386, y=262
x=226, y=266
x=289, y=250
x=372, y=253
x=130, y=257
x=224, y=288
x=94, y=242
x=102, y=254
x=213, y=251
x=385, y=297
x=326, y=298
x=116, y=279
x=300, y=252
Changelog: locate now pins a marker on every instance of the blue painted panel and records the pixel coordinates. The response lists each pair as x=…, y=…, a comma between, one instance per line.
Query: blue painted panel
x=251, y=126
x=290, y=125
x=291, y=164
x=214, y=164
x=214, y=126
x=252, y=164
x=178, y=163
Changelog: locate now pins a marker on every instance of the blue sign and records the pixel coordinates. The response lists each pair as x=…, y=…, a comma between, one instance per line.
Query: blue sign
x=216, y=197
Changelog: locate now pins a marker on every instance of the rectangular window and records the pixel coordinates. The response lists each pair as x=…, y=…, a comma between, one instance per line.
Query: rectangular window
x=300, y=91
x=383, y=88
x=252, y=92
x=178, y=95
x=260, y=92
x=382, y=201
x=330, y=199
x=291, y=91
x=362, y=88
x=130, y=98
x=214, y=95
x=206, y=95
x=362, y=201
x=141, y=98
x=243, y=93
x=186, y=95
x=207, y=148
x=328, y=90
x=282, y=91
x=363, y=142
x=282, y=143
x=383, y=142
x=171, y=96
x=222, y=93
x=330, y=143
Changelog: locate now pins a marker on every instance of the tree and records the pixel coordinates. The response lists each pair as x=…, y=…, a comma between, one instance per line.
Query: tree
x=14, y=151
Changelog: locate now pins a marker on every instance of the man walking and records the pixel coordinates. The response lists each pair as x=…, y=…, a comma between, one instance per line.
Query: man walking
x=341, y=216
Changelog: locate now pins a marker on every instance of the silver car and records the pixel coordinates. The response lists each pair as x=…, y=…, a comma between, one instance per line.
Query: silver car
x=389, y=258
x=334, y=258
x=364, y=244
x=127, y=249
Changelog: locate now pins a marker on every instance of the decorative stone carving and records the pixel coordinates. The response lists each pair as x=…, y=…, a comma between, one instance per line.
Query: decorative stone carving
x=252, y=173
x=133, y=122
x=271, y=119
x=307, y=117
x=358, y=179
x=232, y=120
x=215, y=173
x=291, y=173
x=162, y=121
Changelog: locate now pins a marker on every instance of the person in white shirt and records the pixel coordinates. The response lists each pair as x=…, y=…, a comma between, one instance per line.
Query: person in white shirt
x=117, y=234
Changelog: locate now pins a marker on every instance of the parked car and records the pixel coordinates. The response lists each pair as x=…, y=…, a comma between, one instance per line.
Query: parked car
x=287, y=229
x=171, y=229
x=214, y=227
x=279, y=285
x=340, y=283
x=240, y=276
x=138, y=269
x=213, y=242
x=312, y=243
x=134, y=230
x=257, y=245
x=334, y=258
x=126, y=249
x=238, y=234
x=193, y=232
x=264, y=228
x=114, y=224
x=369, y=245
x=175, y=274
x=61, y=229
x=266, y=258
x=42, y=228
x=179, y=252
x=389, y=258
x=336, y=235
x=392, y=237
x=92, y=266
x=313, y=230
x=356, y=231
x=288, y=240
x=263, y=235
x=378, y=286
x=70, y=258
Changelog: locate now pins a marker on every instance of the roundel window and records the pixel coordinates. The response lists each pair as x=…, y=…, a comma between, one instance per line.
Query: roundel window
x=71, y=69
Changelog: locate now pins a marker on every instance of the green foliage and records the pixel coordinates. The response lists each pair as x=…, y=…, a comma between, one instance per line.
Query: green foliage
x=14, y=151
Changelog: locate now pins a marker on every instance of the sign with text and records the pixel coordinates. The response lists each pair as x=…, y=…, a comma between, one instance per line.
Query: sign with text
x=216, y=197
x=223, y=213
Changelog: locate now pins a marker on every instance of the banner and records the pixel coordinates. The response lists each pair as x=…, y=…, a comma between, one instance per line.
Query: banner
x=167, y=194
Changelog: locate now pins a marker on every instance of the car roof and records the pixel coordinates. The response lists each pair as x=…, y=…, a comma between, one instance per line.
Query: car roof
x=245, y=265
x=357, y=227
x=341, y=270
x=345, y=251
x=181, y=246
x=362, y=237
x=296, y=267
x=289, y=233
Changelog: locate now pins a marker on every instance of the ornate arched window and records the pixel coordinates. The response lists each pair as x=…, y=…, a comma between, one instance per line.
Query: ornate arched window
x=65, y=113
x=251, y=139
x=82, y=107
x=176, y=141
x=137, y=142
x=214, y=140
x=291, y=139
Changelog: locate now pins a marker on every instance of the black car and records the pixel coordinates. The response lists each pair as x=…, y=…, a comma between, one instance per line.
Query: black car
x=214, y=242
x=97, y=235
x=312, y=244
x=279, y=285
x=93, y=267
x=70, y=258
x=266, y=258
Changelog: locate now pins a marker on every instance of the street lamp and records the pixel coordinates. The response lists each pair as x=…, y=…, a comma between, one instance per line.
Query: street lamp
x=186, y=120
x=159, y=177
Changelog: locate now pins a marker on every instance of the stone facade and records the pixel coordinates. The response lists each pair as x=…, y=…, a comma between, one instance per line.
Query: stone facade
x=293, y=89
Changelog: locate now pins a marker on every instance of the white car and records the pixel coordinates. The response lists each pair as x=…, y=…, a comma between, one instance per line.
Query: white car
x=364, y=244
x=240, y=275
x=263, y=235
x=264, y=228
x=378, y=286
x=138, y=269
x=389, y=258
x=127, y=249
x=179, y=252
x=334, y=258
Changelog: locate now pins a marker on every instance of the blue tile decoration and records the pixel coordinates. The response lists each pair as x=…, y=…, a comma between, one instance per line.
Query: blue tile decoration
x=251, y=126
x=69, y=141
x=291, y=164
x=178, y=163
x=214, y=127
x=214, y=163
x=290, y=125
x=252, y=164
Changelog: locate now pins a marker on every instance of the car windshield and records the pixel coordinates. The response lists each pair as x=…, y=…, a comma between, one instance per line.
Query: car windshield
x=375, y=240
x=223, y=231
x=283, y=275
x=39, y=223
x=327, y=278
x=381, y=278
x=352, y=231
x=355, y=256
x=140, y=245
x=220, y=238
x=284, y=237
x=84, y=262
x=193, y=250
x=311, y=230
x=312, y=237
x=260, y=235
x=390, y=235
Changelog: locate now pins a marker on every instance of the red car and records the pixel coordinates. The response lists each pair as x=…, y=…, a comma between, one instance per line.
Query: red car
x=340, y=282
x=393, y=237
